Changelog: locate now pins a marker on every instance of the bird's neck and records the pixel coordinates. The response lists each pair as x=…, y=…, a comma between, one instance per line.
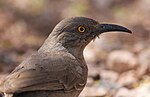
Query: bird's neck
x=54, y=46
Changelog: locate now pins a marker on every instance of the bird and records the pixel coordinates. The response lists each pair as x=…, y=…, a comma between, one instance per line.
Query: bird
x=58, y=68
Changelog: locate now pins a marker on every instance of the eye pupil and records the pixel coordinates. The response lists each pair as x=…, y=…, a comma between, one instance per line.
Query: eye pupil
x=81, y=29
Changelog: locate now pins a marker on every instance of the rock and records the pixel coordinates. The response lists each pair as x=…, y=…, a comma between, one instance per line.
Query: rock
x=93, y=72
x=143, y=90
x=144, y=61
x=90, y=81
x=109, y=85
x=100, y=89
x=121, y=61
x=109, y=75
x=128, y=79
x=144, y=57
x=94, y=91
x=124, y=92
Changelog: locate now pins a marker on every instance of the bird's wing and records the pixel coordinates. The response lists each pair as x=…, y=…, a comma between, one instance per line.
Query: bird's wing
x=45, y=73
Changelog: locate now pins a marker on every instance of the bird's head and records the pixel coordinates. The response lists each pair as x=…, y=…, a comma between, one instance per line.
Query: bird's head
x=76, y=32
x=79, y=31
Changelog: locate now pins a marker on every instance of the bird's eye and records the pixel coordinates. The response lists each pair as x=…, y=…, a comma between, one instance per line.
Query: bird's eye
x=81, y=29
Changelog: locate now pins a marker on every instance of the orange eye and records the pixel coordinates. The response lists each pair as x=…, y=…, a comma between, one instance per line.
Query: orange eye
x=81, y=29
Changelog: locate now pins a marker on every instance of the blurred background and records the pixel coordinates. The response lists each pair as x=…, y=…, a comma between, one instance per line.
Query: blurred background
x=119, y=64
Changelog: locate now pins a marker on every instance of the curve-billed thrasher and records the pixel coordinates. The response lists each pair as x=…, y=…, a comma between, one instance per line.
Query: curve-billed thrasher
x=58, y=68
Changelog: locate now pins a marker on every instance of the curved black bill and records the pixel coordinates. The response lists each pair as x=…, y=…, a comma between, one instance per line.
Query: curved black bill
x=111, y=27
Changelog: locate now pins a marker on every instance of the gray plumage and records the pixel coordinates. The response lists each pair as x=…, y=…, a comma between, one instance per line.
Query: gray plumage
x=58, y=68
